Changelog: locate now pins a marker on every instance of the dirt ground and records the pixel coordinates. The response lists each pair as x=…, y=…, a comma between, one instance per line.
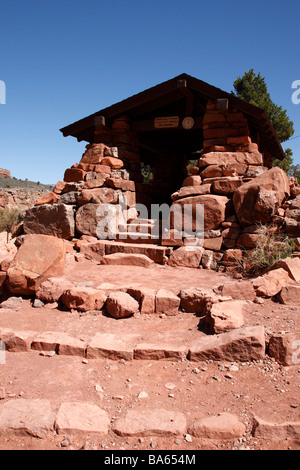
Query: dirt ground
x=198, y=389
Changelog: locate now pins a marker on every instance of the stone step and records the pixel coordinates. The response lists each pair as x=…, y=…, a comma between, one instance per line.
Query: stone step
x=144, y=247
x=132, y=237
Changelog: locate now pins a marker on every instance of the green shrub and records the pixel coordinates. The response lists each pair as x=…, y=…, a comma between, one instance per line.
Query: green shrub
x=271, y=246
x=9, y=218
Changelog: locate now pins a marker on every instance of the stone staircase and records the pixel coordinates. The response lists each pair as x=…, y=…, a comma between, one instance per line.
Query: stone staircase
x=146, y=231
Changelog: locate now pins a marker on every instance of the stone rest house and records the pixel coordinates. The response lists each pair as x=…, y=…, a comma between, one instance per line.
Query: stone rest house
x=163, y=129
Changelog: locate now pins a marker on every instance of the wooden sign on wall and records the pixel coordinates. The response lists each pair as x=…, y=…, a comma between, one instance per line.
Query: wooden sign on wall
x=166, y=122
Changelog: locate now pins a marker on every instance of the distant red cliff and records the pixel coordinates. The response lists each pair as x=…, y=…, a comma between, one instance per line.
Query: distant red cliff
x=5, y=173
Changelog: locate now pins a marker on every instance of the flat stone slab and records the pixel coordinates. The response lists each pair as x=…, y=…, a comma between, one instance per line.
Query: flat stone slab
x=222, y=426
x=277, y=431
x=111, y=346
x=17, y=341
x=151, y=422
x=160, y=350
x=25, y=416
x=127, y=259
x=242, y=344
x=59, y=342
x=81, y=418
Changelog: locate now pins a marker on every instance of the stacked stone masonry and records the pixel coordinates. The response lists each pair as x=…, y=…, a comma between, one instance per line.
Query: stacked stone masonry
x=232, y=181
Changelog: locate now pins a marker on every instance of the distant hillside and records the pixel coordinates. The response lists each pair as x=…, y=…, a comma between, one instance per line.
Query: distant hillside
x=21, y=193
x=6, y=183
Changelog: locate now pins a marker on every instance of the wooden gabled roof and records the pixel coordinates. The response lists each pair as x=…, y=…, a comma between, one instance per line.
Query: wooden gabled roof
x=169, y=92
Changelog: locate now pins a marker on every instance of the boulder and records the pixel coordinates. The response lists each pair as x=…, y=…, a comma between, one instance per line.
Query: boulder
x=188, y=214
x=238, y=290
x=271, y=283
x=83, y=298
x=225, y=316
x=146, y=298
x=52, y=289
x=258, y=200
x=285, y=348
x=50, y=219
x=290, y=295
x=98, y=220
x=121, y=305
x=186, y=256
x=290, y=265
x=38, y=258
x=197, y=300
x=211, y=259
x=166, y=302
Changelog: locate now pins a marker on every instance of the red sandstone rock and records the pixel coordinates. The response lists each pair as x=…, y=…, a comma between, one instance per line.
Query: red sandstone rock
x=285, y=348
x=248, y=240
x=290, y=295
x=99, y=195
x=213, y=244
x=258, y=200
x=194, y=180
x=187, y=256
x=60, y=185
x=33, y=417
x=187, y=191
x=49, y=198
x=225, y=316
x=166, y=302
x=93, y=250
x=197, y=300
x=226, y=187
x=151, y=422
x=275, y=431
x=291, y=265
x=271, y=283
x=127, y=259
x=121, y=305
x=112, y=162
x=118, y=183
x=214, y=211
x=74, y=174
x=50, y=219
x=227, y=158
x=212, y=171
x=239, y=290
x=145, y=296
x=83, y=298
x=89, y=218
x=222, y=426
x=5, y=173
x=81, y=418
x=52, y=289
x=95, y=180
x=242, y=344
x=38, y=258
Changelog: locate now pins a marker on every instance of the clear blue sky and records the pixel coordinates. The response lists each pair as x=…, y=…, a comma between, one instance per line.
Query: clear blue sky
x=63, y=60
